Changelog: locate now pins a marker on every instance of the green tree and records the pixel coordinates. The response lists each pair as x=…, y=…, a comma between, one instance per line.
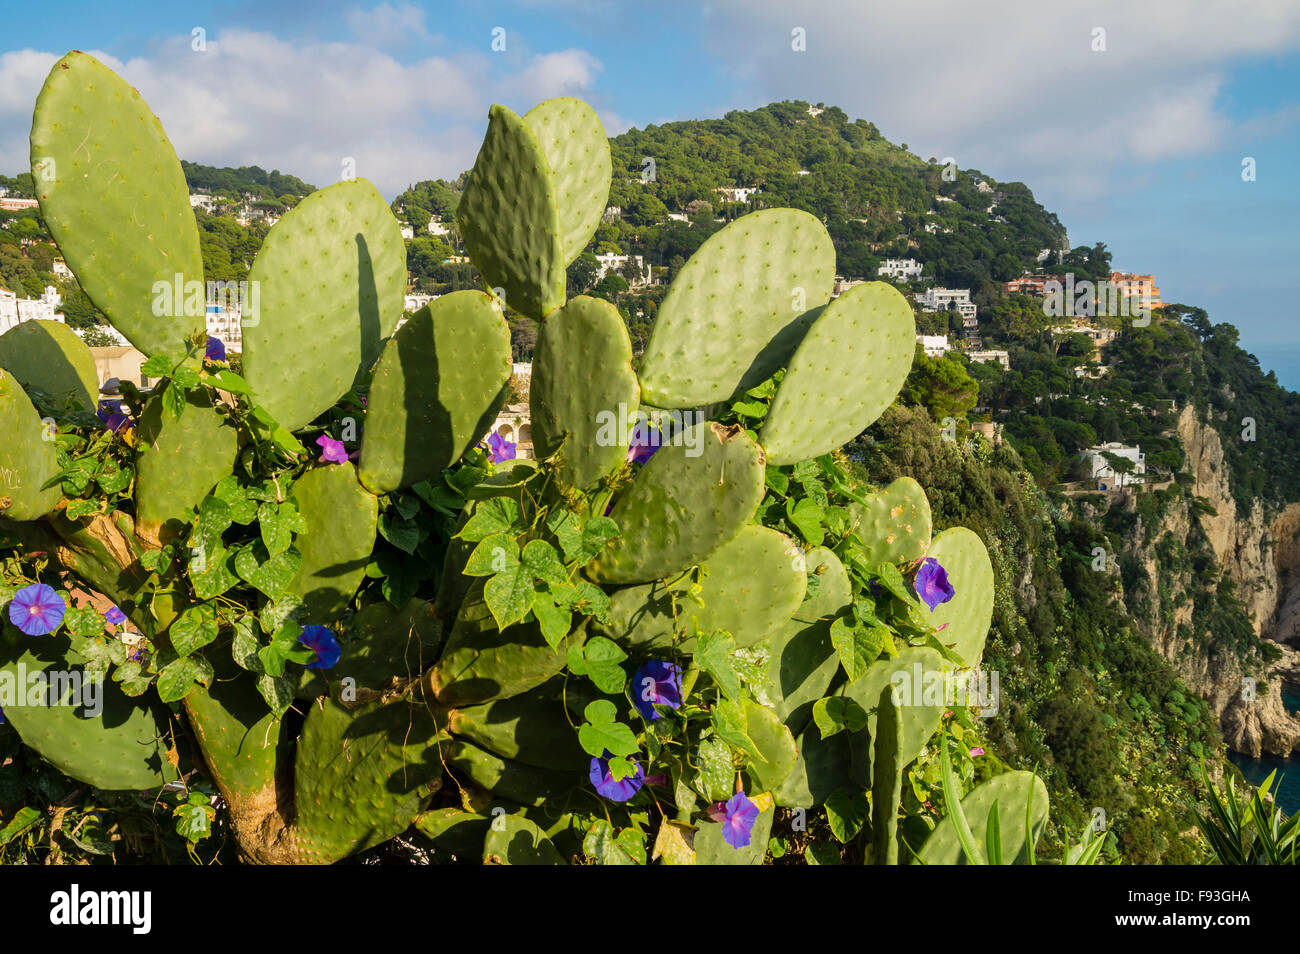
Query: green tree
x=941, y=386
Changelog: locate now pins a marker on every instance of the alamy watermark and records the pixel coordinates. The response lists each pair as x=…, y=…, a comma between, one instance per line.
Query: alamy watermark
x=180, y=298
x=976, y=689
x=677, y=428
x=1087, y=299
x=52, y=687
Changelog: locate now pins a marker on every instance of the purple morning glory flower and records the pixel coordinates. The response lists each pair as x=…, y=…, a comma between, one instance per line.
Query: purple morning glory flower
x=657, y=683
x=643, y=445
x=216, y=350
x=616, y=790
x=110, y=412
x=115, y=616
x=931, y=584
x=332, y=451
x=500, y=449
x=738, y=820
x=321, y=641
x=37, y=610
x=2, y=717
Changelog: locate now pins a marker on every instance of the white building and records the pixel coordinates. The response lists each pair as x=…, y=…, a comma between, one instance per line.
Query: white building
x=678, y=217
x=406, y=230
x=1104, y=474
x=612, y=213
x=610, y=262
x=984, y=356
x=740, y=194
x=935, y=346
x=900, y=269
x=12, y=204
x=60, y=268
x=222, y=319
x=949, y=299
x=416, y=301
x=437, y=227
x=844, y=284
x=815, y=110
x=206, y=202
x=14, y=310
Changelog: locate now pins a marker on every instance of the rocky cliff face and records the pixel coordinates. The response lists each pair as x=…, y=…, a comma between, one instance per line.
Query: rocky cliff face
x=1260, y=552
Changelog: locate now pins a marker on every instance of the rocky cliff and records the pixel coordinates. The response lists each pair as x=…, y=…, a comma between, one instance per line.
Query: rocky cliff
x=1259, y=552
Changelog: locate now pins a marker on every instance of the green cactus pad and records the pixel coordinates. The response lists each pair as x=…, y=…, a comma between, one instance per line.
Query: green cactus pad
x=439, y=385
x=181, y=460
x=531, y=728
x=114, y=197
x=723, y=326
x=1012, y=793
x=577, y=152
x=894, y=526
x=455, y=831
x=123, y=748
x=749, y=587
x=509, y=217
x=846, y=371
x=803, y=661
x=775, y=745
x=360, y=776
x=970, y=611
x=481, y=663
x=823, y=765
x=505, y=778
x=711, y=849
x=584, y=395
x=239, y=737
x=381, y=643
x=919, y=672
x=886, y=779
x=49, y=355
x=682, y=508
x=513, y=840
x=341, y=519
x=330, y=278
x=27, y=458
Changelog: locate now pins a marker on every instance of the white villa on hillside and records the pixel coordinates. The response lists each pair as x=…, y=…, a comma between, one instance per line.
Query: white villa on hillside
x=416, y=301
x=436, y=227
x=14, y=310
x=1000, y=357
x=948, y=299
x=610, y=262
x=900, y=269
x=934, y=346
x=738, y=194
x=1104, y=474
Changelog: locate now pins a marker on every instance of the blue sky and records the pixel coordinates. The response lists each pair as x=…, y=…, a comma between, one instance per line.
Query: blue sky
x=1138, y=144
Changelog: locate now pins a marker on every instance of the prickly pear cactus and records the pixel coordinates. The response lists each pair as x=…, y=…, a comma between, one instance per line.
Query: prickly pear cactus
x=647, y=645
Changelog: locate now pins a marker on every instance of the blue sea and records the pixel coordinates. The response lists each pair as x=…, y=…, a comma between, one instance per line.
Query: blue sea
x=1288, y=770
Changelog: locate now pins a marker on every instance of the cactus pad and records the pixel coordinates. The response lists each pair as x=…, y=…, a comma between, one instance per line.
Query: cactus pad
x=330, y=279
x=181, y=459
x=584, y=394
x=803, y=660
x=115, y=199
x=1012, y=793
x=577, y=153
x=123, y=748
x=481, y=663
x=846, y=371
x=49, y=355
x=682, y=508
x=513, y=840
x=720, y=329
x=919, y=672
x=27, y=458
x=439, y=385
x=520, y=783
x=341, y=518
x=359, y=776
x=531, y=729
x=886, y=779
x=894, y=525
x=970, y=611
x=509, y=217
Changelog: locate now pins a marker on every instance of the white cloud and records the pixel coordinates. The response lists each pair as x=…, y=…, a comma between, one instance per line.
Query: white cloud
x=253, y=99
x=389, y=26
x=1016, y=91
